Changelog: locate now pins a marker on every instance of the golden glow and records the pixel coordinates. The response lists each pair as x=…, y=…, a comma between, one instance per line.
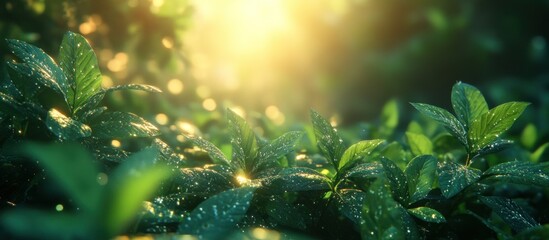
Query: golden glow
x=239, y=111
x=187, y=128
x=175, y=86
x=106, y=81
x=115, y=143
x=167, y=42
x=161, y=118
x=118, y=63
x=203, y=91
x=273, y=113
x=260, y=233
x=209, y=104
x=242, y=179
x=325, y=171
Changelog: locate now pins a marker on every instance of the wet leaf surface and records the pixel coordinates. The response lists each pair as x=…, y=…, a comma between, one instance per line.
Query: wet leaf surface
x=328, y=140
x=79, y=64
x=66, y=128
x=383, y=217
x=521, y=172
x=421, y=175
x=219, y=214
x=397, y=180
x=453, y=177
x=122, y=125
x=512, y=213
x=468, y=103
x=446, y=119
x=427, y=214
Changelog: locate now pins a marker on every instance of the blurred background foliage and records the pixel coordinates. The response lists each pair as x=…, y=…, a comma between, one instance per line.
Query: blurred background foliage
x=279, y=58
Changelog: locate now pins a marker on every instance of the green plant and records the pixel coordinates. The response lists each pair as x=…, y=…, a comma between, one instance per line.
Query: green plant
x=474, y=125
x=103, y=204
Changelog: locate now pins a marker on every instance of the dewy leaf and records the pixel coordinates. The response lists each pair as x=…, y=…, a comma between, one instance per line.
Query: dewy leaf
x=79, y=63
x=139, y=87
x=271, y=152
x=421, y=173
x=73, y=168
x=419, y=144
x=50, y=75
x=493, y=147
x=427, y=214
x=366, y=170
x=328, y=140
x=22, y=81
x=201, y=182
x=468, y=103
x=492, y=124
x=453, y=177
x=243, y=141
x=384, y=217
x=397, y=181
x=129, y=185
x=296, y=179
x=66, y=128
x=449, y=121
x=512, y=213
x=122, y=125
x=358, y=150
x=350, y=204
x=219, y=214
x=522, y=172
x=215, y=153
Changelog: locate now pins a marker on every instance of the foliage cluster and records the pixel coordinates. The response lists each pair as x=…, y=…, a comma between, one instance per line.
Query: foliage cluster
x=446, y=176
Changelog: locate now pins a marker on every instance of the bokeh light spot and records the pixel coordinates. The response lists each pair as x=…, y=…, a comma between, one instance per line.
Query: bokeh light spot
x=175, y=86
x=209, y=104
x=115, y=143
x=161, y=118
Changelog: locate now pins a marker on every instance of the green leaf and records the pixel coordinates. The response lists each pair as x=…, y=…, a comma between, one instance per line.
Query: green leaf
x=38, y=62
x=389, y=118
x=219, y=214
x=73, y=168
x=271, y=152
x=397, y=181
x=328, y=140
x=522, y=172
x=277, y=208
x=427, y=214
x=420, y=173
x=138, y=87
x=79, y=63
x=536, y=155
x=419, y=144
x=496, y=146
x=23, y=82
x=468, y=103
x=243, y=141
x=383, y=217
x=366, y=170
x=122, y=125
x=201, y=181
x=529, y=136
x=492, y=124
x=36, y=224
x=215, y=153
x=538, y=232
x=135, y=180
x=446, y=119
x=453, y=177
x=512, y=213
x=357, y=151
x=350, y=204
x=296, y=179
x=66, y=128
